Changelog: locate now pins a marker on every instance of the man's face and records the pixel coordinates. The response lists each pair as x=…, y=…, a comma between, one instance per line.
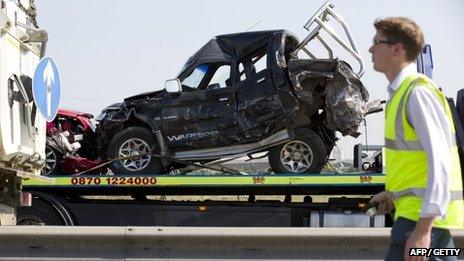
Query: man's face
x=382, y=52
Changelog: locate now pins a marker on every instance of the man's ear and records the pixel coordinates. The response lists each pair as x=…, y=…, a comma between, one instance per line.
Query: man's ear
x=399, y=50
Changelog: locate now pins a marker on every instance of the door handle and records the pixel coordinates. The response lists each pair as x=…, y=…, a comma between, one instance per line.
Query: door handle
x=224, y=99
x=261, y=80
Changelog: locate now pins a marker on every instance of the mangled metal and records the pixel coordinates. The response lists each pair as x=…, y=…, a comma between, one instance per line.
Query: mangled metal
x=70, y=146
x=345, y=101
x=260, y=116
x=333, y=83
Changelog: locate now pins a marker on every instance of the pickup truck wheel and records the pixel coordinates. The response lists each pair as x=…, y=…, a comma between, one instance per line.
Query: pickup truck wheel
x=136, y=145
x=306, y=153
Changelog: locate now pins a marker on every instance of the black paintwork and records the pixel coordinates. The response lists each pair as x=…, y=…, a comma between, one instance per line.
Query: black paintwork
x=243, y=110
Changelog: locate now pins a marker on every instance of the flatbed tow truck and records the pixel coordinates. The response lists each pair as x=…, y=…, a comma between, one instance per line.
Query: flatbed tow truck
x=66, y=201
x=70, y=200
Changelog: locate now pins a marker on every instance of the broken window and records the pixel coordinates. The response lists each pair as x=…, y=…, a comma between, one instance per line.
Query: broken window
x=195, y=78
x=260, y=63
x=208, y=76
x=220, y=77
x=252, y=65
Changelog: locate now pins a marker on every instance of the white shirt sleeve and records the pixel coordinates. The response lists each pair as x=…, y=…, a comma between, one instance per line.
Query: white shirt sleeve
x=428, y=117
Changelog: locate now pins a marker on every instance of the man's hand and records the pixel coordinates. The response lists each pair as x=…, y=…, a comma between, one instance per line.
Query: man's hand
x=419, y=238
x=386, y=204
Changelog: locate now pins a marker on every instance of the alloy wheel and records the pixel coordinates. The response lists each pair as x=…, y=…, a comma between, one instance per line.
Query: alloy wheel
x=137, y=152
x=296, y=156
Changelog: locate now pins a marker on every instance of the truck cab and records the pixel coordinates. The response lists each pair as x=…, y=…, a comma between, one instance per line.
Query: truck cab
x=22, y=129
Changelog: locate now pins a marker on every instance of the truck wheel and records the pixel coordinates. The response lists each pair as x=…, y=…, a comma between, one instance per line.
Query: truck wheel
x=39, y=214
x=306, y=153
x=52, y=161
x=137, y=143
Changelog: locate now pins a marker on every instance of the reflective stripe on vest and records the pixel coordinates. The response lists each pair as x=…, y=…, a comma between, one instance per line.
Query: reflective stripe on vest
x=420, y=192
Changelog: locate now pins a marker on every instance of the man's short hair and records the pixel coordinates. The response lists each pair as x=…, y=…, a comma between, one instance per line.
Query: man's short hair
x=402, y=30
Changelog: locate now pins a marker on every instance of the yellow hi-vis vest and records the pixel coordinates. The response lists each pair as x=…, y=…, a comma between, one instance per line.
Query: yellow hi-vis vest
x=407, y=162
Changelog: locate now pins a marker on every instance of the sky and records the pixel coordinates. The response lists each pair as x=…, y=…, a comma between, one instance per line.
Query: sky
x=107, y=50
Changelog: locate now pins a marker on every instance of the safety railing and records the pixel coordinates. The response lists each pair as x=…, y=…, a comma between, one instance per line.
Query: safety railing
x=320, y=20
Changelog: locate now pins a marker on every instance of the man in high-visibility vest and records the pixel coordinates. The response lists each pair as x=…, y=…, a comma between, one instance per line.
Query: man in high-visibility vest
x=423, y=174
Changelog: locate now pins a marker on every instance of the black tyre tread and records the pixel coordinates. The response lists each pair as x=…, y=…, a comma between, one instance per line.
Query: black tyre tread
x=154, y=167
x=313, y=140
x=42, y=211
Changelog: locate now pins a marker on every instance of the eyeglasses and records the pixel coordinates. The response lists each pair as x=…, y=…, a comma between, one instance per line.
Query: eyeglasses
x=376, y=42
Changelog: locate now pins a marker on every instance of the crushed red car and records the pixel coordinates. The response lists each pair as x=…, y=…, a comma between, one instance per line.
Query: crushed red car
x=70, y=146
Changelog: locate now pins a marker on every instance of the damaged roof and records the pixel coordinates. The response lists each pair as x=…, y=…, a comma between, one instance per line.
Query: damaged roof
x=229, y=46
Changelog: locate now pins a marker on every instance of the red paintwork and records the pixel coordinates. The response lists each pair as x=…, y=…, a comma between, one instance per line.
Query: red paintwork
x=83, y=119
x=73, y=164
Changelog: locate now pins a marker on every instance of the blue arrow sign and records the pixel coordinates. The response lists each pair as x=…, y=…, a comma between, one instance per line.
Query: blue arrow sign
x=46, y=88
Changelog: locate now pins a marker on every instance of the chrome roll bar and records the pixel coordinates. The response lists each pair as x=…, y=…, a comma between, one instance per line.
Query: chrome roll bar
x=320, y=18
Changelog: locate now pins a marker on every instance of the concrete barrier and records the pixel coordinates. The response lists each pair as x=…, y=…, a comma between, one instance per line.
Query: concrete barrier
x=214, y=243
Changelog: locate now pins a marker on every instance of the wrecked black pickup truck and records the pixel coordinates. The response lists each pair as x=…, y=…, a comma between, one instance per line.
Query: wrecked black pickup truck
x=241, y=94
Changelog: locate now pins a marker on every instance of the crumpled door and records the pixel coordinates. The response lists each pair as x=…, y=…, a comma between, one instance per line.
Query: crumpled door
x=258, y=105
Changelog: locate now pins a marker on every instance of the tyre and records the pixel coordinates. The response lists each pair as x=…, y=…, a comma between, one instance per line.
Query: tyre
x=137, y=143
x=306, y=153
x=52, y=161
x=39, y=214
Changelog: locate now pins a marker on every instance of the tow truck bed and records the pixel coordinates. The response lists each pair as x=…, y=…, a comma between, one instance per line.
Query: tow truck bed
x=66, y=201
x=315, y=184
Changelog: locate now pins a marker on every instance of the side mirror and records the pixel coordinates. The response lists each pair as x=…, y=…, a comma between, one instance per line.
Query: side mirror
x=173, y=86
